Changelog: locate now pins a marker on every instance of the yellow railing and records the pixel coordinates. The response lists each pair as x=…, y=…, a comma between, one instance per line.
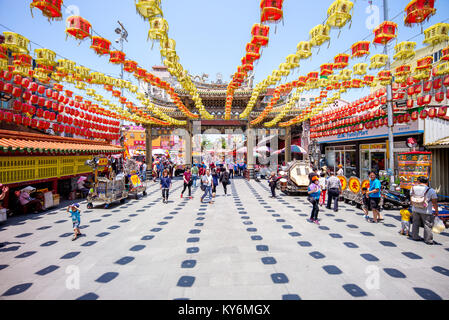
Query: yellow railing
x=21, y=169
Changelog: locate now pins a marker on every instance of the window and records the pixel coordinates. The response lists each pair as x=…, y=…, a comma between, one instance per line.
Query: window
x=437, y=56
x=312, y=99
x=303, y=99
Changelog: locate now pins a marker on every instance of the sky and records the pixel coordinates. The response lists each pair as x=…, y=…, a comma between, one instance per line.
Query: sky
x=211, y=35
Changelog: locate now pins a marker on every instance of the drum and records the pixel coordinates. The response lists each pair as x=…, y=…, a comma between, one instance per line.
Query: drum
x=283, y=183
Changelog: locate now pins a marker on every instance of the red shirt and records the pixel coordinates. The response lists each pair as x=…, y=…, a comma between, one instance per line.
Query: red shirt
x=187, y=176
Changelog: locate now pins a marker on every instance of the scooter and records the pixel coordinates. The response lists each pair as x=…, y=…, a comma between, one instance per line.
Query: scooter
x=393, y=199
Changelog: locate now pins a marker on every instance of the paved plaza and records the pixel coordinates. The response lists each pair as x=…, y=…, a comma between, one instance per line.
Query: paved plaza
x=246, y=246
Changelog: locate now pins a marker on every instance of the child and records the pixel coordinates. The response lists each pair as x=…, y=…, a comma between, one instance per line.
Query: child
x=75, y=214
x=405, y=221
x=365, y=203
x=165, y=185
x=322, y=182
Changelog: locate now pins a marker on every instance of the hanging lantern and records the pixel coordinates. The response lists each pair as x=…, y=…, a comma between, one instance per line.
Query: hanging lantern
x=424, y=63
x=252, y=52
x=368, y=80
x=78, y=27
x=100, y=45
x=341, y=61
x=339, y=13
x=149, y=9
x=442, y=69
x=130, y=66
x=21, y=59
x=404, y=50
x=356, y=83
x=168, y=48
x=421, y=74
x=45, y=57
x=345, y=74
x=378, y=61
x=247, y=66
x=319, y=35
x=66, y=66
x=360, y=49
x=385, y=77
x=436, y=34
x=260, y=34
x=117, y=57
x=360, y=69
x=81, y=73
x=312, y=77
x=16, y=42
x=417, y=11
x=304, y=50
x=292, y=61
x=326, y=69
x=385, y=32
x=50, y=8
x=271, y=10
x=158, y=29
x=403, y=70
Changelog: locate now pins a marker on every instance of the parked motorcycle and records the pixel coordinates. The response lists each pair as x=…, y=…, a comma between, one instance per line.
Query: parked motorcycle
x=392, y=199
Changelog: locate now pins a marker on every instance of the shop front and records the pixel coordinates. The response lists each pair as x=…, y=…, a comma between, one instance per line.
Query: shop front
x=365, y=151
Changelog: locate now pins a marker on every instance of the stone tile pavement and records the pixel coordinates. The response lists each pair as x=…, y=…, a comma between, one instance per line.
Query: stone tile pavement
x=246, y=246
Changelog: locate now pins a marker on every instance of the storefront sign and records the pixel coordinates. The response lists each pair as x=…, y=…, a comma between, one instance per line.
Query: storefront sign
x=398, y=130
x=413, y=165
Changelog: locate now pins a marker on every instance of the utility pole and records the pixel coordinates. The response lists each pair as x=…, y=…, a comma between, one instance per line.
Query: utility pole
x=389, y=110
x=123, y=37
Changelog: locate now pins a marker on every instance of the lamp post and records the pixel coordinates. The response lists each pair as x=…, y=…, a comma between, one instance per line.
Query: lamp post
x=123, y=37
x=389, y=109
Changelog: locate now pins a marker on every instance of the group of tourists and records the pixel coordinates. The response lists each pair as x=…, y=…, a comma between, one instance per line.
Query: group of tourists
x=421, y=213
x=210, y=179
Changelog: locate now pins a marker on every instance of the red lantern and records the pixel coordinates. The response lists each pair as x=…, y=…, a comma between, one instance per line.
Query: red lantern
x=100, y=45
x=341, y=61
x=130, y=66
x=260, y=34
x=423, y=114
x=252, y=52
x=418, y=11
x=50, y=8
x=18, y=119
x=78, y=27
x=385, y=32
x=410, y=103
x=442, y=111
x=271, y=10
x=432, y=113
x=117, y=57
x=360, y=49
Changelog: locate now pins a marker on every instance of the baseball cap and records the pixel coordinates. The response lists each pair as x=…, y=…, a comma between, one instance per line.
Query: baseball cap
x=76, y=205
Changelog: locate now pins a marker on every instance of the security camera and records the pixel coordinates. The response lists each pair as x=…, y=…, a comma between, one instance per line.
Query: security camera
x=117, y=40
x=118, y=31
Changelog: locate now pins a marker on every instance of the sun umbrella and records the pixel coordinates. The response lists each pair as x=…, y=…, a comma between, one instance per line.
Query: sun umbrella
x=298, y=149
x=158, y=152
x=242, y=150
x=82, y=178
x=279, y=151
x=263, y=149
x=257, y=155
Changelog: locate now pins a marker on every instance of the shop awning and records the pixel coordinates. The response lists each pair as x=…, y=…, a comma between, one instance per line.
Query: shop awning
x=442, y=143
x=13, y=141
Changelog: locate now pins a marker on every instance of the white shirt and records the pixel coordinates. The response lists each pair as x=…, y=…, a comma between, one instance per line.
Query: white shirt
x=207, y=180
x=340, y=172
x=431, y=194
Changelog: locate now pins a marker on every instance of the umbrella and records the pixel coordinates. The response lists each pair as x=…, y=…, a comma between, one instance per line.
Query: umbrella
x=263, y=149
x=82, y=178
x=257, y=155
x=158, y=152
x=242, y=150
x=279, y=151
x=298, y=149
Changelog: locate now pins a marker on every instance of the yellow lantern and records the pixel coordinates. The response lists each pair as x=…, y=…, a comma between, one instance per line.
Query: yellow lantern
x=16, y=42
x=442, y=69
x=284, y=69
x=345, y=74
x=90, y=92
x=45, y=57
x=422, y=74
x=378, y=61
x=81, y=72
x=158, y=30
x=293, y=61
x=360, y=69
x=149, y=9
x=97, y=78
x=404, y=50
x=3, y=65
x=339, y=13
x=168, y=47
x=80, y=85
x=304, y=50
x=319, y=35
x=41, y=76
x=66, y=66
x=436, y=34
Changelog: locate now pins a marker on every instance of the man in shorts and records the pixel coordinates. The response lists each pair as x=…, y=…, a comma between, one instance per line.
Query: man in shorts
x=374, y=196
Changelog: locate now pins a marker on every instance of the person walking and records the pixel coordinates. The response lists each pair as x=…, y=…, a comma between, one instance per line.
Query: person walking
x=144, y=171
x=314, y=192
x=165, y=186
x=187, y=183
x=75, y=214
x=322, y=181
x=333, y=185
x=207, y=183
x=272, y=181
x=423, y=198
x=340, y=171
x=314, y=173
x=215, y=178
x=194, y=172
x=224, y=179
x=231, y=170
x=374, y=196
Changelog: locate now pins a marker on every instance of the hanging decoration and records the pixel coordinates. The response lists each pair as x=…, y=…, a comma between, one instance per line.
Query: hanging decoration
x=404, y=50
x=418, y=11
x=100, y=45
x=319, y=35
x=436, y=34
x=50, y=8
x=360, y=49
x=271, y=10
x=378, y=61
x=339, y=13
x=78, y=27
x=385, y=32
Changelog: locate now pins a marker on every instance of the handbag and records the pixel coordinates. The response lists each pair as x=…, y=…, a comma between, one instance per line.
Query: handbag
x=203, y=187
x=311, y=199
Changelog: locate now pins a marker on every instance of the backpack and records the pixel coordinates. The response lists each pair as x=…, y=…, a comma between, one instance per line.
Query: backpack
x=420, y=202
